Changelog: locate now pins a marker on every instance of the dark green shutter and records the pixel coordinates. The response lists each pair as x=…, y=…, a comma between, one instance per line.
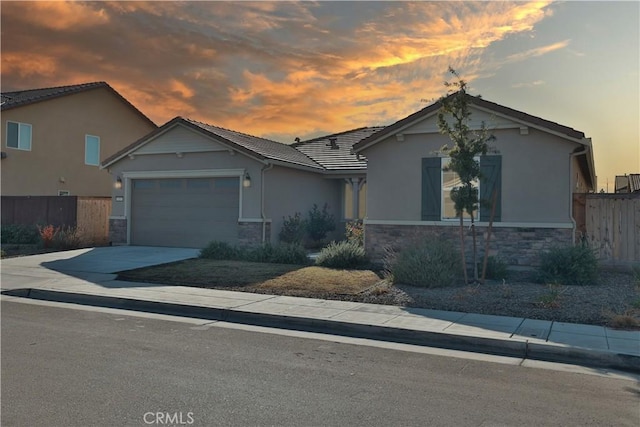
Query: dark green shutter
x=491, y=171
x=431, y=188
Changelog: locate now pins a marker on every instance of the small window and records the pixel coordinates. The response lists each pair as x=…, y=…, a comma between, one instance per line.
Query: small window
x=64, y=193
x=144, y=184
x=92, y=150
x=226, y=183
x=198, y=184
x=170, y=183
x=19, y=136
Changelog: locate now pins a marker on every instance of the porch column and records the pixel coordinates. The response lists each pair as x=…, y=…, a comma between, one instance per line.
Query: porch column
x=356, y=186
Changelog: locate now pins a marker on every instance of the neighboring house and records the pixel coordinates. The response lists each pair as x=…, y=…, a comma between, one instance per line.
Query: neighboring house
x=627, y=183
x=54, y=138
x=535, y=168
x=188, y=183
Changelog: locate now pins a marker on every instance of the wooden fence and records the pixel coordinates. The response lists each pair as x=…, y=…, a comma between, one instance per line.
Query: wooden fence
x=611, y=224
x=89, y=214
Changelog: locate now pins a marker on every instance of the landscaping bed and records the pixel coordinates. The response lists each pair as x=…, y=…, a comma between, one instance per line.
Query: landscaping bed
x=613, y=301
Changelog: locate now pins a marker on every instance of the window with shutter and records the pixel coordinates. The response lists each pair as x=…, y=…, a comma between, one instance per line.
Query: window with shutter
x=491, y=180
x=436, y=188
x=431, y=188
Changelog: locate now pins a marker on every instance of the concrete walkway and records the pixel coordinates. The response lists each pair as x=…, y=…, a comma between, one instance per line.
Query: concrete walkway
x=80, y=277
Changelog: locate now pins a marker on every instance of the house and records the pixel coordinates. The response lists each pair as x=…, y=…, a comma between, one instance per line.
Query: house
x=627, y=183
x=535, y=167
x=188, y=183
x=54, y=138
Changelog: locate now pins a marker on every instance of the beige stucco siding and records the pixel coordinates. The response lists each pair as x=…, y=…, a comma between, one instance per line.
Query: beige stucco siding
x=57, y=151
x=288, y=191
x=535, y=176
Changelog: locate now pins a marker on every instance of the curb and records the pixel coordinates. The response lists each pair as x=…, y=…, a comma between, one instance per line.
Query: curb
x=511, y=348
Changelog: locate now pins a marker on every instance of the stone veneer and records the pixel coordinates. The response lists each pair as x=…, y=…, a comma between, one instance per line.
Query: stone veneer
x=118, y=231
x=250, y=233
x=513, y=245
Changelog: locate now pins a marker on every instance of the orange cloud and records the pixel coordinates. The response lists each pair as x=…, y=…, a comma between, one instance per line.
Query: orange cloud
x=62, y=15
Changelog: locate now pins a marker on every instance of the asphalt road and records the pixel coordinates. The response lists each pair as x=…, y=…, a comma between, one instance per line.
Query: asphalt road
x=66, y=367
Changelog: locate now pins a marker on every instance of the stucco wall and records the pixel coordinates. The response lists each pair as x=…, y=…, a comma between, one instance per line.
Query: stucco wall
x=59, y=127
x=535, y=176
x=288, y=191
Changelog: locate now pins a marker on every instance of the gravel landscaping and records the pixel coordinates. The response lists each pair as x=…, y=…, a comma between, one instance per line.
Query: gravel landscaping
x=614, y=301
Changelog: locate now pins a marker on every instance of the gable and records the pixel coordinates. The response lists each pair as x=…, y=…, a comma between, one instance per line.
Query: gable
x=180, y=140
x=491, y=120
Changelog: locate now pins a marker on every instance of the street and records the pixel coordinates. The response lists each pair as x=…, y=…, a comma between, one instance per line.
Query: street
x=71, y=367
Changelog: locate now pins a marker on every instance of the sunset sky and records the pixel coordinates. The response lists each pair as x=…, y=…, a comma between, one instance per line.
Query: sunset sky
x=284, y=70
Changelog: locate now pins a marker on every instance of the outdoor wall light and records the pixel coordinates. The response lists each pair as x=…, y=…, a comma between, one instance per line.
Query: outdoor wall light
x=246, y=183
x=118, y=184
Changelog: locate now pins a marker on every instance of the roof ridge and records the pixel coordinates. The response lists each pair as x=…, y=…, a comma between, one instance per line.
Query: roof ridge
x=234, y=131
x=201, y=124
x=78, y=85
x=295, y=144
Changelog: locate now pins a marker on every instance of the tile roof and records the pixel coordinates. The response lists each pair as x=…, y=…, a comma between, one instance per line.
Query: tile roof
x=251, y=145
x=482, y=103
x=20, y=98
x=340, y=158
x=265, y=148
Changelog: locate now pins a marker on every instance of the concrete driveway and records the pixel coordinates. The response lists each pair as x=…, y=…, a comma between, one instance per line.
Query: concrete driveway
x=94, y=264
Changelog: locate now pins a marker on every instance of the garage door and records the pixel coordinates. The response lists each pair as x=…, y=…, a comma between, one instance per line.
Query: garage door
x=184, y=212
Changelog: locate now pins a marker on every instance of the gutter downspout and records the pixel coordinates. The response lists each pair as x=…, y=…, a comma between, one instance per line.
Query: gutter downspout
x=265, y=168
x=573, y=220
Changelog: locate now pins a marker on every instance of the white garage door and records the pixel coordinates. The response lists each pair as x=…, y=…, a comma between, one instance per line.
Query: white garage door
x=184, y=212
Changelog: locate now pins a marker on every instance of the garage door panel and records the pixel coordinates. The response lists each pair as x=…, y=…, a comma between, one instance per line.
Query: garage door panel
x=187, y=212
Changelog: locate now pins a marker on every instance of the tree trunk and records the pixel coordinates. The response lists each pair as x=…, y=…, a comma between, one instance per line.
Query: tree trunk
x=494, y=198
x=475, y=250
x=464, y=261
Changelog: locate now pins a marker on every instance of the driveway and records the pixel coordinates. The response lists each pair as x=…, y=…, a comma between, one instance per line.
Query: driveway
x=94, y=264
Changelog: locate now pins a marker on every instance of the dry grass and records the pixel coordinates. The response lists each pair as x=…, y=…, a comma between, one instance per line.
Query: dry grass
x=254, y=276
x=321, y=280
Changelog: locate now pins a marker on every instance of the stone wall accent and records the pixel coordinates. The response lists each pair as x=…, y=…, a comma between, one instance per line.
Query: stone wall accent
x=513, y=245
x=118, y=231
x=250, y=233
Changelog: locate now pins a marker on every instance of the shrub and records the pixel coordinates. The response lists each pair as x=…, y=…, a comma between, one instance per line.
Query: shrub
x=496, y=269
x=276, y=254
x=431, y=264
x=47, y=233
x=571, y=265
x=293, y=229
x=67, y=238
x=19, y=234
x=219, y=250
x=635, y=270
x=320, y=222
x=288, y=254
x=354, y=231
x=342, y=255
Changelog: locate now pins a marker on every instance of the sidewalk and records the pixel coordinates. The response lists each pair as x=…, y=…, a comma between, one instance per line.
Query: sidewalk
x=586, y=345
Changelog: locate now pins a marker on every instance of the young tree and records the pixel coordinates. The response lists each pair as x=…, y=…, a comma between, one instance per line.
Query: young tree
x=454, y=119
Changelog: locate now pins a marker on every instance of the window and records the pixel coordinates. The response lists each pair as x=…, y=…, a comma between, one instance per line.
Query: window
x=92, y=150
x=19, y=136
x=437, y=185
x=450, y=180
